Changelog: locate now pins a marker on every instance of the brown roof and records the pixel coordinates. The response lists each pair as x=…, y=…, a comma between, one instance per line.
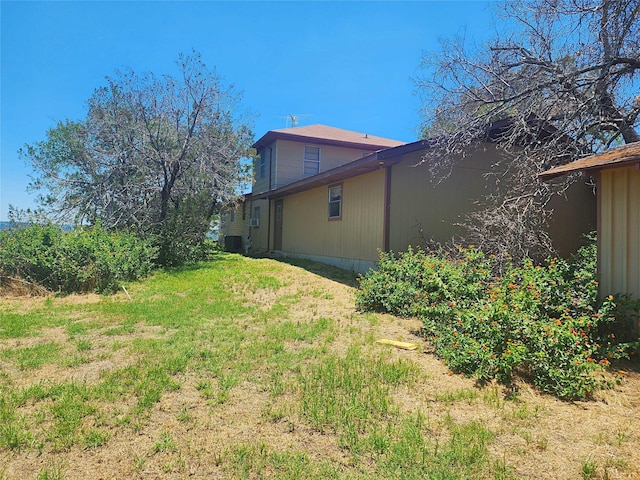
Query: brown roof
x=323, y=134
x=618, y=156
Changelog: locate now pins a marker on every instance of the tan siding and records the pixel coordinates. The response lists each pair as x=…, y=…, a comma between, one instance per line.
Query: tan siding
x=237, y=227
x=574, y=215
x=259, y=235
x=619, y=230
x=262, y=184
x=358, y=235
x=290, y=159
x=418, y=202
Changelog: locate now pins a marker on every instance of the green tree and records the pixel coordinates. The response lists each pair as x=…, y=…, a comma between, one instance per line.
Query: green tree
x=558, y=81
x=155, y=155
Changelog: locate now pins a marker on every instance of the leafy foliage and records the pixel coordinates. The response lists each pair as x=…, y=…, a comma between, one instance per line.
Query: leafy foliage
x=82, y=260
x=155, y=155
x=543, y=321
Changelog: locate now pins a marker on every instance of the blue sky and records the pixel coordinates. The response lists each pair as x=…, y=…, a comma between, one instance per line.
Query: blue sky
x=344, y=64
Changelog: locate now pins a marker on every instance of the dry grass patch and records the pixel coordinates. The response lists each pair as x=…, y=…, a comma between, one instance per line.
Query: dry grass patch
x=210, y=373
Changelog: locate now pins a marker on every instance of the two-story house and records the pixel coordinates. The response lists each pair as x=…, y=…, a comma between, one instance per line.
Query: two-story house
x=286, y=156
x=340, y=197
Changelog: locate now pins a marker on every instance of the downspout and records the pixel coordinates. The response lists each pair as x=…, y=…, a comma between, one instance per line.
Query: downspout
x=269, y=199
x=387, y=208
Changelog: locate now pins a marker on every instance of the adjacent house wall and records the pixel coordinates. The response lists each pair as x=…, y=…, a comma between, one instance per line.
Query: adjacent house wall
x=351, y=242
x=619, y=231
x=574, y=215
x=235, y=224
x=424, y=208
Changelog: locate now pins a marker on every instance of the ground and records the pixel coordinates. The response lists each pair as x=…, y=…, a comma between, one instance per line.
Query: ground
x=187, y=435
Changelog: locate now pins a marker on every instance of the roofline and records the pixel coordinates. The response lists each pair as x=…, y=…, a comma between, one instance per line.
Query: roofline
x=273, y=135
x=612, y=158
x=366, y=164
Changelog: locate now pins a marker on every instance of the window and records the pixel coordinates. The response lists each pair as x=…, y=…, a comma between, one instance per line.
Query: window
x=335, y=201
x=311, y=160
x=263, y=163
x=256, y=212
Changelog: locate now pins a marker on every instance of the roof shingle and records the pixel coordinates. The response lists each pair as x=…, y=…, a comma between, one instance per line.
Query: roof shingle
x=329, y=135
x=617, y=156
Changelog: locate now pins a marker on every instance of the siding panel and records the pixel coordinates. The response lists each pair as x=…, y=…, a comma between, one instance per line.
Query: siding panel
x=290, y=156
x=358, y=235
x=619, y=257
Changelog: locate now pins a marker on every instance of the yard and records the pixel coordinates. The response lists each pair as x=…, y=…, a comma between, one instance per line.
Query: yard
x=245, y=368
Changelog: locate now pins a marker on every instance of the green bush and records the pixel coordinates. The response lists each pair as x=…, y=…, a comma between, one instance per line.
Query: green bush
x=82, y=260
x=539, y=321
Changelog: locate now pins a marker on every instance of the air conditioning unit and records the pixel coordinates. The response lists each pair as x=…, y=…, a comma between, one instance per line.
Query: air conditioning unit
x=254, y=222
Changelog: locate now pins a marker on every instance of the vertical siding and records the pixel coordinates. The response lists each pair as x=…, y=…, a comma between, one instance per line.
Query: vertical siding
x=419, y=201
x=306, y=228
x=619, y=230
x=237, y=227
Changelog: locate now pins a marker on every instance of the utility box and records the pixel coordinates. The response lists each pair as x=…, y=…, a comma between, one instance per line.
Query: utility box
x=233, y=243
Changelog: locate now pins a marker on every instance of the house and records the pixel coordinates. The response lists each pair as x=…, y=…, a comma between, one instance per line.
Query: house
x=340, y=197
x=286, y=156
x=617, y=174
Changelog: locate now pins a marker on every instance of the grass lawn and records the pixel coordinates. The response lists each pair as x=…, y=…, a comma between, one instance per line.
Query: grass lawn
x=245, y=368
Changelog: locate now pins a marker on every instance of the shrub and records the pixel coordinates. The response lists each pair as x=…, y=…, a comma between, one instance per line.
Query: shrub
x=82, y=260
x=543, y=321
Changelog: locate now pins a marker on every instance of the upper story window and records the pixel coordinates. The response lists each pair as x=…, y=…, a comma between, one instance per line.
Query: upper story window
x=311, y=160
x=335, y=202
x=263, y=163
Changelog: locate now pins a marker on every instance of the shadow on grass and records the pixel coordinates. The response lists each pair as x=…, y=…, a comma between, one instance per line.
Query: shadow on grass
x=217, y=256
x=346, y=277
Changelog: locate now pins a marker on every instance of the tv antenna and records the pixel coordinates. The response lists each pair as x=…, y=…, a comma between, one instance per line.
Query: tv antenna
x=292, y=119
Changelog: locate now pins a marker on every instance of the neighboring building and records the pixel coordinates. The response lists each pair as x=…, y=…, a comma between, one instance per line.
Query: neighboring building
x=617, y=173
x=234, y=227
x=340, y=197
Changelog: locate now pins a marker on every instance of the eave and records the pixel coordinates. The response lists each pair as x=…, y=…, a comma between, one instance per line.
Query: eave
x=615, y=157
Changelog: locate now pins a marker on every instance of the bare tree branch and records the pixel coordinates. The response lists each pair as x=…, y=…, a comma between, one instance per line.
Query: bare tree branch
x=561, y=76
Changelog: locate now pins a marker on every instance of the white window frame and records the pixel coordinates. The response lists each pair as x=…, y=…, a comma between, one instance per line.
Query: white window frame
x=309, y=160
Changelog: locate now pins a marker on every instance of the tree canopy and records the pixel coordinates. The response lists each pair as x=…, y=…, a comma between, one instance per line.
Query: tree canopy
x=158, y=155
x=560, y=78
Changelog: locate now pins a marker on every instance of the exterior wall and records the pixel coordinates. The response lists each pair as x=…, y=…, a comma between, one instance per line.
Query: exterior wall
x=418, y=202
x=423, y=209
x=260, y=236
x=352, y=241
x=574, y=215
x=619, y=231
x=261, y=184
x=290, y=156
x=237, y=227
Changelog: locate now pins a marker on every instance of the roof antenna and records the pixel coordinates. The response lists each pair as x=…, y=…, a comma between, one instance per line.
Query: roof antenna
x=293, y=118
